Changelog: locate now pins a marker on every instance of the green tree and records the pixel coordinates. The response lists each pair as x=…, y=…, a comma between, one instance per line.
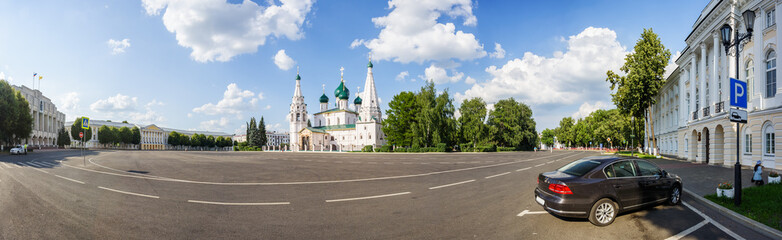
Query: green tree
x=252, y=128
x=210, y=141
x=401, y=116
x=16, y=122
x=262, y=131
x=471, y=122
x=22, y=126
x=644, y=70
x=547, y=137
x=174, y=139
x=136, y=135
x=105, y=135
x=76, y=129
x=564, y=132
x=62, y=137
x=125, y=135
x=513, y=125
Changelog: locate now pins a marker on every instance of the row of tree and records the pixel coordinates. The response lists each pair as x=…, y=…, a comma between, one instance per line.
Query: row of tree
x=611, y=128
x=114, y=136
x=16, y=122
x=256, y=133
x=198, y=140
x=426, y=119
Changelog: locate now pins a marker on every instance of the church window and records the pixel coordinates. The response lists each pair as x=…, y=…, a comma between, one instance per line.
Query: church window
x=298, y=116
x=329, y=121
x=337, y=121
x=370, y=136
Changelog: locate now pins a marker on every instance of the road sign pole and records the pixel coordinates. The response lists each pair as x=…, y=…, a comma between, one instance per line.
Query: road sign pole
x=83, y=158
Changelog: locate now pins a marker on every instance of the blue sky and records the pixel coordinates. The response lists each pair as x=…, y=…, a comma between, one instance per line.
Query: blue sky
x=212, y=64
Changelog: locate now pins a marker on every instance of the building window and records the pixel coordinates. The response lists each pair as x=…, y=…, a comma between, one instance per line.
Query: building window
x=771, y=18
x=771, y=74
x=769, y=143
x=750, y=76
x=748, y=143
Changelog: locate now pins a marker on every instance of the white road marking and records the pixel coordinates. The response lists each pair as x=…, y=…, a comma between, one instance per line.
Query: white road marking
x=72, y=180
x=540, y=165
x=8, y=165
x=33, y=164
x=452, y=184
x=129, y=193
x=688, y=231
x=526, y=168
x=715, y=223
x=47, y=164
x=497, y=175
x=370, y=197
x=239, y=204
x=525, y=212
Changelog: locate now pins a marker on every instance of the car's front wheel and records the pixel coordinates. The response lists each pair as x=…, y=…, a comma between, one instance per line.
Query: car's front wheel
x=603, y=212
x=675, y=196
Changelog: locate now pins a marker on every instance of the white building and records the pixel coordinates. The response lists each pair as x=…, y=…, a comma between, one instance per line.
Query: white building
x=340, y=128
x=275, y=139
x=690, y=119
x=152, y=136
x=46, y=119
x=240, y=138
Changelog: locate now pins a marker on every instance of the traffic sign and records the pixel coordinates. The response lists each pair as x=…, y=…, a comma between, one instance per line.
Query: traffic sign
x=738, y=115
x=738, y=93
x=81, y=134
x=85, y=122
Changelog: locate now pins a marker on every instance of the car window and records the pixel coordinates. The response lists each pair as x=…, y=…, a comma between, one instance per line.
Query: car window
x=609, y=171
x=624, y=169
x=579, y=168
x=648, y=169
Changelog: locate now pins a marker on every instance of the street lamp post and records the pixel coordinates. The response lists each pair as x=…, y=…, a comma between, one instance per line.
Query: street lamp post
x=725, y=32
x=632, y=136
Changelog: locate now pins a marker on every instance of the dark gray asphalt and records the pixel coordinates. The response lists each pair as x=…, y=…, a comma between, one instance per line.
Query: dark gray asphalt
x=183, y=195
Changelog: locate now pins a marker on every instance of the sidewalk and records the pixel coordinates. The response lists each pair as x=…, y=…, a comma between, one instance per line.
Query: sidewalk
x=702, y=179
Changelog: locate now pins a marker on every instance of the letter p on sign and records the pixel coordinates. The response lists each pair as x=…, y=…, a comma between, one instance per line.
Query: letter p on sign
x=738, y=93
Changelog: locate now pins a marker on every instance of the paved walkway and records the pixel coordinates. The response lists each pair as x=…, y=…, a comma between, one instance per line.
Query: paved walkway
x=703, y=179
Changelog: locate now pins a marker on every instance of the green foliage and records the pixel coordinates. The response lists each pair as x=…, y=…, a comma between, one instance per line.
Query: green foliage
x=210, y=141
x=434, y=121
x=547, y=137
x=261, y=133
x=401, y=149
x=62, y=137
x=442, y=147
x=466, y=147
x=105, y=135
x=511, y=124
x=136, y=139
x=125, y=135
x=252, y=128
x=760, y=203
x=367, y=148
x=384, y=148
x=16, y=122
x=644, y=70
x=597, y=128
x=471, y=122
x=76, y=129
x=400, y=118
x=486, y=148
x=506, y=149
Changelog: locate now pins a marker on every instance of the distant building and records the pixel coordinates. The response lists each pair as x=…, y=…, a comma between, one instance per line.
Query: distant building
x=46, y=119
x=275, y=139
x=152, y=136
x=240, y=138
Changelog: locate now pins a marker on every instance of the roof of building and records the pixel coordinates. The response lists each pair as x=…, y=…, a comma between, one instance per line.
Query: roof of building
x=357, y=101
x=298, y=77
x=342, y=92
x=370, y=64
x=336, y=110
x=324, y=98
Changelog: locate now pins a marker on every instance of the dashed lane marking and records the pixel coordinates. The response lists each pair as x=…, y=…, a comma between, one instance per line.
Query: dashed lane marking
x=497, y=175
x=540, y=165
x=525, y=212
x=526, y=168
x=240, y=204
x=129, y=193
x=369, y=197
x=452, y=184
x=69, y=179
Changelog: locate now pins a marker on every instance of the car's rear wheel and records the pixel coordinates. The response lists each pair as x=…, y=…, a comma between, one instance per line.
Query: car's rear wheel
x=675, y=196
x=603, y=212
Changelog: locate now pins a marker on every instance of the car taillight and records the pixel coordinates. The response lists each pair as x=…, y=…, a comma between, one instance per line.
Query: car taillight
x=559, y=188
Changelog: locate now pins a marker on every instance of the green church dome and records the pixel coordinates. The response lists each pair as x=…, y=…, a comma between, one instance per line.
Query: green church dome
x=342, y=92
x=370, y=64
x=357, y=101
x=298, y=77
x=324, y=98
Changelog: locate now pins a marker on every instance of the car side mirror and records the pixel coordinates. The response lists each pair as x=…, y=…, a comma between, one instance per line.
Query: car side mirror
x=664, y=173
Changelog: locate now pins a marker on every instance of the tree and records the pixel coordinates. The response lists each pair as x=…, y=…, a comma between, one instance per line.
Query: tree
x=644, y=70
x=547, y=137
x=513, y=125
x=262, y=131
x=434, y=121
x=16, y=122
x=309, y=123
x=564, y=132
x=400, y=118
x=22, y=126
x=125, y=135
x=105, y=135
x=174, y=138
x=76, y=129
x=471, y=122
x=136, y=135
x=210, y=141
x=252, y=128
x=62, y=137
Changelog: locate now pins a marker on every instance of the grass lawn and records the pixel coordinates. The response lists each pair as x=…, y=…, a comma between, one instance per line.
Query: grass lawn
x=760, y=203
x=637, y=154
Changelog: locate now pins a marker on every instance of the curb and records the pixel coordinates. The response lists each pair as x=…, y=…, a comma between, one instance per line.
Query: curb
x=749, y=223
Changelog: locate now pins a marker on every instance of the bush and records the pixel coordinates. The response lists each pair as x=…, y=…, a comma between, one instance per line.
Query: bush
x=466, y=147
x=384, y=148
x=487, y=148
x=442, y=147
x=506, y=149
x=401, y=149
x=367, y=148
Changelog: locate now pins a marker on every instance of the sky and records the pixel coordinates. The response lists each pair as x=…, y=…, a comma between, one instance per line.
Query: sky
x=213, y=64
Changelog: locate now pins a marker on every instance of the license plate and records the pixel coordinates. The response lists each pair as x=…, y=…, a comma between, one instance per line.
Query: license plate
x=539, y=200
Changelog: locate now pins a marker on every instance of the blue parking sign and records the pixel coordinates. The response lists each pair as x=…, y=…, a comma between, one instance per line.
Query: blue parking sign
x=738, y=93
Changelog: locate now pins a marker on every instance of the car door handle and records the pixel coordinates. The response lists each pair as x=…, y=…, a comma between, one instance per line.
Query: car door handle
x=617, y=186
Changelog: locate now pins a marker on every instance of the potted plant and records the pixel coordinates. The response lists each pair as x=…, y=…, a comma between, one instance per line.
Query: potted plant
x=773, y=177
x=725, y=189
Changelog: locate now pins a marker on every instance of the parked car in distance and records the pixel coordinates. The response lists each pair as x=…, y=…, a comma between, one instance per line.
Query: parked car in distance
x=599, y=188
x=18, y=150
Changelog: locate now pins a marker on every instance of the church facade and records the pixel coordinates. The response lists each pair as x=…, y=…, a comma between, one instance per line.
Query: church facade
x=339, y=127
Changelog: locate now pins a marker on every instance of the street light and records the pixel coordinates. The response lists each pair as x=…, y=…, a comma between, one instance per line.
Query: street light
x=725, y=30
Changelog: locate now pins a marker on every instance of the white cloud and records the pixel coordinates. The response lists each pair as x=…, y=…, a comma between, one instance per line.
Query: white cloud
x=672, y=64
x=578, y=75
x=498, y=51
x=585, y=109
x=283, y=61
x=154, y=102
x=235, y=101
x=218, y=30
x=440, y=76
x=469, y=80
x=70, y=101
x=268, y=107
x=402, y=76
x=118, y=103
x=8, y=79
x=411, y=32
x=118, y=47
x=214, y=125
x=241, y=130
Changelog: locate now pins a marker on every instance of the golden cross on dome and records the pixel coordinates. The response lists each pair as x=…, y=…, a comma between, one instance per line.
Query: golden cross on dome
x=324, y=88
x=341, y=72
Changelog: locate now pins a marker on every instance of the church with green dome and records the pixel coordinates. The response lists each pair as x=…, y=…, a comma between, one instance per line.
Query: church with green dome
x=341, y=126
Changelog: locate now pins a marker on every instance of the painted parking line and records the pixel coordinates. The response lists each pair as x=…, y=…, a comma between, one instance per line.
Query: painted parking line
x=526, y=212
x=526, y=168
x=69, y=179
x=47, y=164
x=688, y=231
x=452, y=184
x=369, y=197
x=540, y=165
x=240, y=204
x=497, y=175
x=715, y=223
x=129, y=193
x=34, y=168
x=33, y=164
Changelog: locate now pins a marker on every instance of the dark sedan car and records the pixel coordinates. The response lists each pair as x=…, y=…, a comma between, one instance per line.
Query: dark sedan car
x=599, y=188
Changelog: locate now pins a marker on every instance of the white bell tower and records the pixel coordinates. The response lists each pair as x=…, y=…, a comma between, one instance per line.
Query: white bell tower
x=298, y=115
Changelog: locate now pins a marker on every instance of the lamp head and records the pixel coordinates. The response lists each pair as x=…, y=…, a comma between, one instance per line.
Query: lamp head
x=725, y=32
x=749, y=19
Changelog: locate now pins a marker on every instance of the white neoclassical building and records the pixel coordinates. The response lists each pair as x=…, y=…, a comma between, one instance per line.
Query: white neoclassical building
x=152, y=136
x=46, y=119
x=690, y=119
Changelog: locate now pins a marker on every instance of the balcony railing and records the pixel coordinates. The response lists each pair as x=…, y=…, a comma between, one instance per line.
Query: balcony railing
x=695, y=115
x=706, y=112
x=719, y=107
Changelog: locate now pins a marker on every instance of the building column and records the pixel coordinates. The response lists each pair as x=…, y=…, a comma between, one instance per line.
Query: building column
x=691, y=75
x=702, y=78
x=716, y=81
